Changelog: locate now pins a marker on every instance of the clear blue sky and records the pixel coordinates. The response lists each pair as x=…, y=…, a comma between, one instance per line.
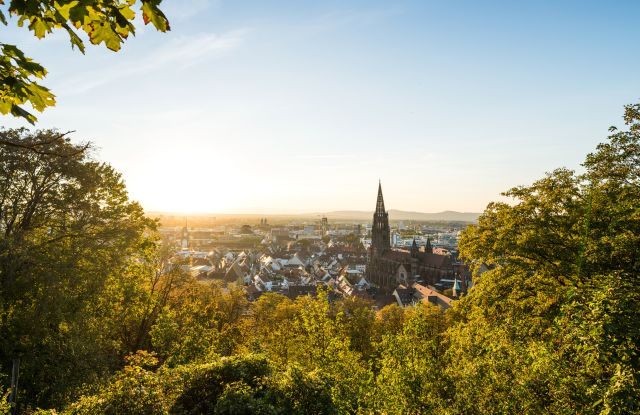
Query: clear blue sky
x=292, y=106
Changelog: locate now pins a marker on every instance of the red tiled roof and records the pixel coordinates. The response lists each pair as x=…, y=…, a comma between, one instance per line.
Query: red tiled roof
x=426, y=292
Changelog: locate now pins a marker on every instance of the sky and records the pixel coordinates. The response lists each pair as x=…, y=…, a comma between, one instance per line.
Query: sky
x=302, y=106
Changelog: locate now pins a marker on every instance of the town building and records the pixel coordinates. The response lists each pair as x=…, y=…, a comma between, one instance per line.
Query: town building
x=388, y=267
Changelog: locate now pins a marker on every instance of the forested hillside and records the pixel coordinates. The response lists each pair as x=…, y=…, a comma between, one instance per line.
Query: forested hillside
x=103, y=324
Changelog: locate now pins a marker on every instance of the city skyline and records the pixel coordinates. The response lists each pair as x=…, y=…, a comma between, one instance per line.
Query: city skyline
x=247, y=108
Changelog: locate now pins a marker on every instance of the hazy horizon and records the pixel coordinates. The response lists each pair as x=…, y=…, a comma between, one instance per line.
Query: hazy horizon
x=288, y=213
x=302, y=107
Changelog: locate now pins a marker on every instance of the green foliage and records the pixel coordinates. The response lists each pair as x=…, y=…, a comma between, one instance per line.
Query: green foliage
x=225, y=379
x=108, y=22
x=358, y=326
x=203, y=321
x=389, y=320
x=604, y=362
x=246, y=384
x=300, y=392
x=135, y=390
x=18, y=86
x=552, y=327
x=240, y=398
x=411, y=378
x=69, y=236
x=275, y=327
x=5, y=406
x=326, y=349
x=322, y=338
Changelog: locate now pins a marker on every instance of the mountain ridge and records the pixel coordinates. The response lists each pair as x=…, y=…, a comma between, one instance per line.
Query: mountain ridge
x=395, y=214
x=348, y=215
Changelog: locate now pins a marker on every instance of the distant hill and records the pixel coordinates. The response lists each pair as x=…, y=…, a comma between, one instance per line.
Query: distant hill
x=448, y=216
x=208, y=219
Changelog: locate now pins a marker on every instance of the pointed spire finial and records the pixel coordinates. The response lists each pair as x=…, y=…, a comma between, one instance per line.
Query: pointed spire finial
x=380, y=202
x=414, y=248
x=380, y=232
x=455, y=289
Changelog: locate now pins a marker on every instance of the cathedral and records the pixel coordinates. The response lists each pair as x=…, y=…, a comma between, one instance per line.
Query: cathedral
x=387, y=267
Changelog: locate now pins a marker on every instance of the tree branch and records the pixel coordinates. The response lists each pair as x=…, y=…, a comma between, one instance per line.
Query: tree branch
x=35, y=147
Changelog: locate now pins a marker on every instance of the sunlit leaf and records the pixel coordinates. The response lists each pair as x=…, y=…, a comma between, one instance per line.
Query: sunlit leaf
x=20, y=112
x=102, y=32
x=65, y=9
x=151, y=13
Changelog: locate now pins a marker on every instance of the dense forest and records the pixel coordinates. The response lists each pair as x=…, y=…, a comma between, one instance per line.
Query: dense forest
x=102, y=324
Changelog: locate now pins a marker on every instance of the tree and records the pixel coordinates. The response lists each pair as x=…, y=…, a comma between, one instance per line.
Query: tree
x=554, y=327
x=70, y=240
x=247, y=384
x=199, y=321
x=411, y=379
x=358, y=323
x=275, y=327
x=108, y=22
x=389, y=320
x=136, y=390
x=327, y=350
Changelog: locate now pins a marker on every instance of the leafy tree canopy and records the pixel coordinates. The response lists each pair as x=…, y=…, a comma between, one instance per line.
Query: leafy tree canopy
x=553, y=325
x=108, y=22
x=72, y=249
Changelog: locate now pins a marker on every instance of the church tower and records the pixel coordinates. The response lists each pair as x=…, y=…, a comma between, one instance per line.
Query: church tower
x=184, y=242
x=380, y=233
x=428, y=248
x=414, y=249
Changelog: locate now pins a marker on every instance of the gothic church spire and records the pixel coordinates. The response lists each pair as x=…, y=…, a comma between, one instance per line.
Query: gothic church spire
x=380, y=203
x=380, y=232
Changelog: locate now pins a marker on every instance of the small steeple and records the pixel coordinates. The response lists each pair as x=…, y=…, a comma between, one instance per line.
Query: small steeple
x=414, y=249
x=184, y=243
x=456, y=287
x=428, y=248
